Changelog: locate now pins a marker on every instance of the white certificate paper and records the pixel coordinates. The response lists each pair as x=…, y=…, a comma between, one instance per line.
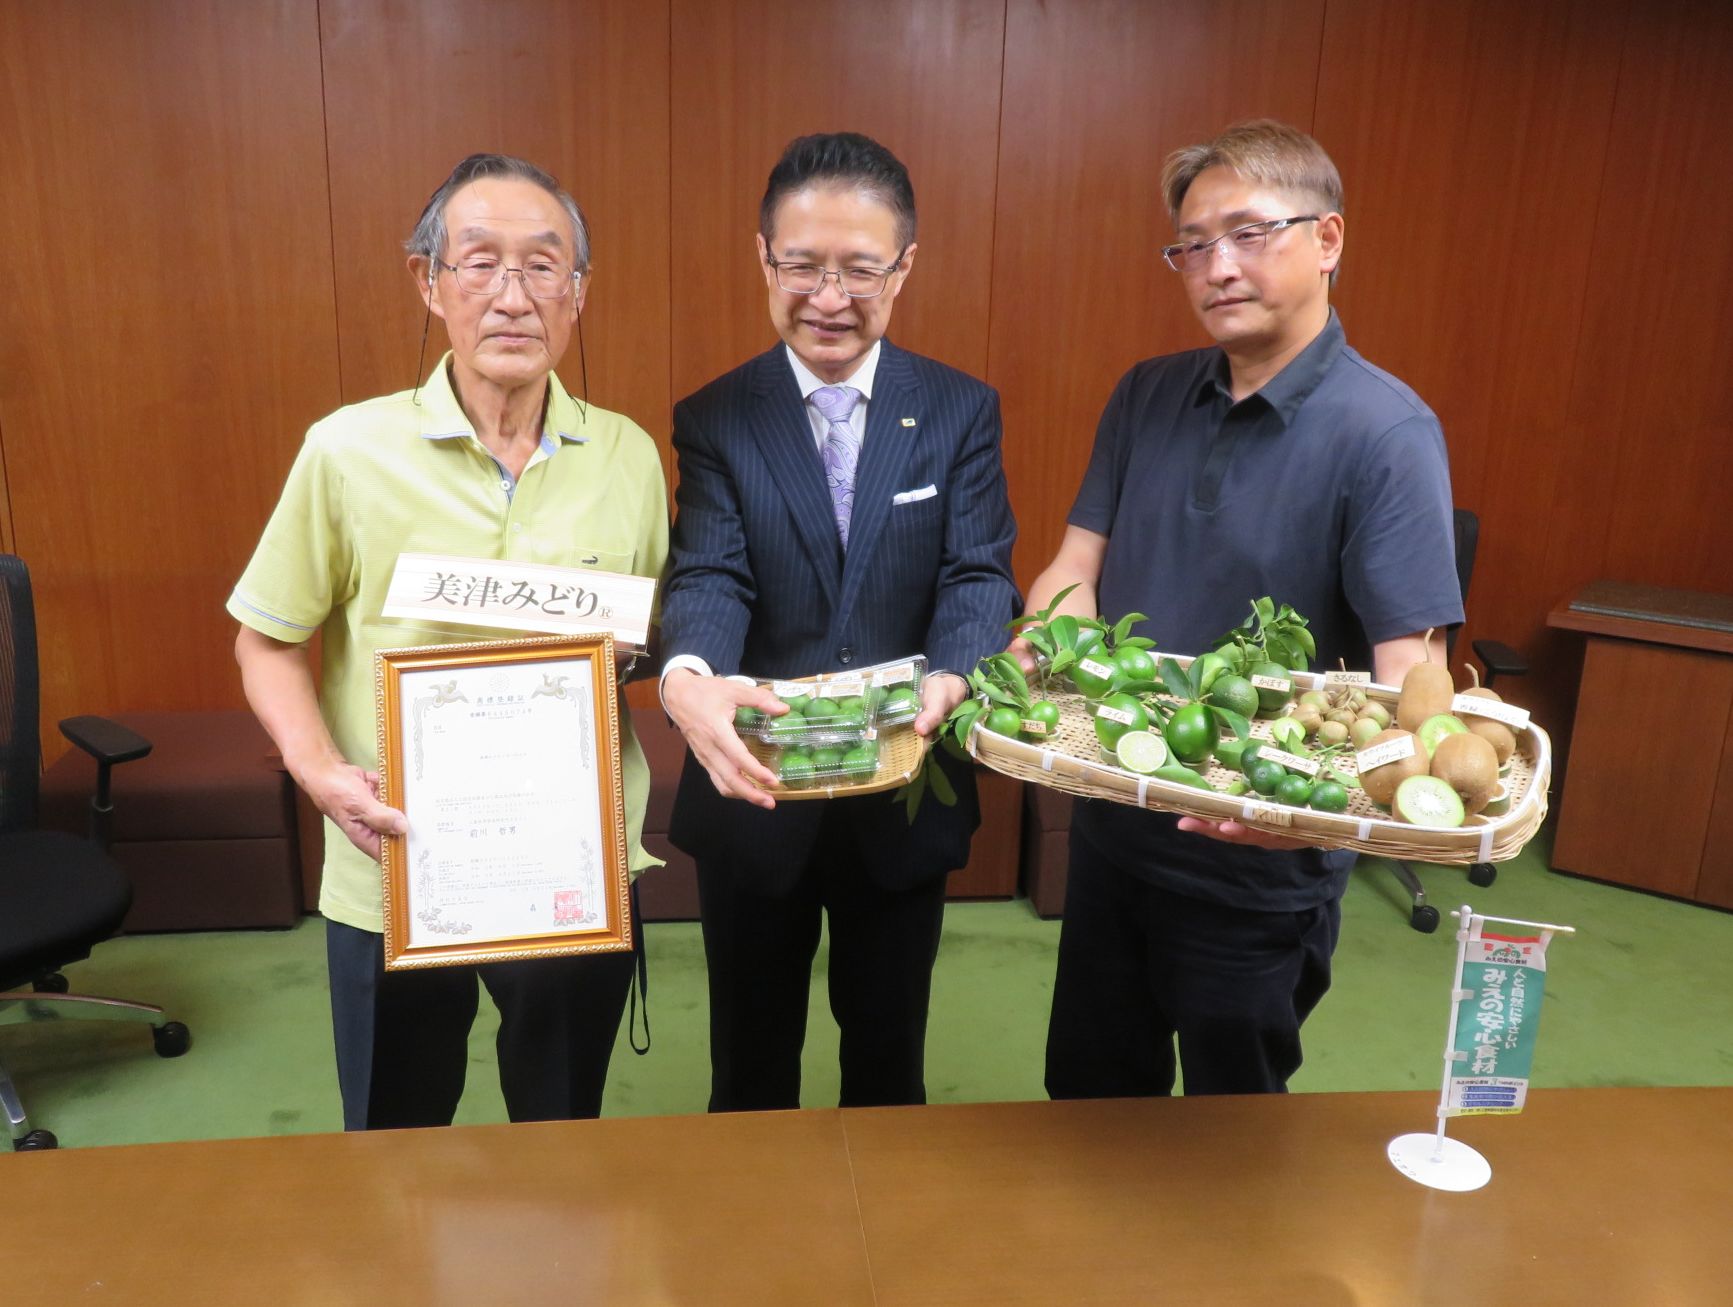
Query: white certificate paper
x=505, y=757
x=505, y=838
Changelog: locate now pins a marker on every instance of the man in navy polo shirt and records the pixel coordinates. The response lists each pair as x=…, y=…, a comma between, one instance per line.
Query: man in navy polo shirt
x=1278, y=463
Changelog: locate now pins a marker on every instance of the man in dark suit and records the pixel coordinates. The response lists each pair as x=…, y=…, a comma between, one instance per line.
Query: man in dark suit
x=841, y=503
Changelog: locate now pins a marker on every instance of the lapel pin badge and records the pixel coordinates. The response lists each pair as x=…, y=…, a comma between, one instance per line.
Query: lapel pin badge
x=908, y=422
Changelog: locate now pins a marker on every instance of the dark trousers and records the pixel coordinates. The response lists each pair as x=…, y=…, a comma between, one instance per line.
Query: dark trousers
x=1139, y=966
x=759, y=951
x=403, y=1036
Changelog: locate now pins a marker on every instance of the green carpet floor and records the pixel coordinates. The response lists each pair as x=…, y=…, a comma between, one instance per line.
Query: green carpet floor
x=1643, y=994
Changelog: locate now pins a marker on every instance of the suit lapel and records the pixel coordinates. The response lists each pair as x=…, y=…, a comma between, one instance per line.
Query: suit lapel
x=785, y=438
x=884, y=454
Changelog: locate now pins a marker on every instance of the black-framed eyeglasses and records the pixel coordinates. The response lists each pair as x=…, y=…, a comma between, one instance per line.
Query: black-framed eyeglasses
x=543, y=280
x=1241, y=243
x=856, y=283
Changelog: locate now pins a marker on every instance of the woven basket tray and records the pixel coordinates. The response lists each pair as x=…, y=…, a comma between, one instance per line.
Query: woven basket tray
x=1071, y=761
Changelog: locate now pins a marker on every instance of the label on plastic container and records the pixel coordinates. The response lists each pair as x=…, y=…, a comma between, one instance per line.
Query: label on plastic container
x=1475, y=705
x=1099, y=670
x=1120, y=715
x=895, y=674
x=790, y=689
x=846, y=687
x=1282, y=683
x=1293, y=762
x=1379, y=754
x=1340, y=677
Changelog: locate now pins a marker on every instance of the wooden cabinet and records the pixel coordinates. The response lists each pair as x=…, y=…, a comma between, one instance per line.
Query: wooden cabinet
x=1648, y=796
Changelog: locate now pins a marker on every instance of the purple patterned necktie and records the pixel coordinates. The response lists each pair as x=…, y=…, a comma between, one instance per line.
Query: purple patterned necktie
x=841, y=450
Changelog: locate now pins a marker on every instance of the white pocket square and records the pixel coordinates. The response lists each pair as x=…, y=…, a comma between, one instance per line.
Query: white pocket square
x=914, y=496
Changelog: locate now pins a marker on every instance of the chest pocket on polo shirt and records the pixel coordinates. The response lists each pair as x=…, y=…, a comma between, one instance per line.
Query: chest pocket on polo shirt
x=556, y=552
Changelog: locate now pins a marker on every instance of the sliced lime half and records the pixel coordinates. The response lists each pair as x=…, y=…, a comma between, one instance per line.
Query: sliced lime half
x=1141, y=751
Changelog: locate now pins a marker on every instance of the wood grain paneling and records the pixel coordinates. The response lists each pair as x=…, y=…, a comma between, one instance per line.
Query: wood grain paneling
x=1651, y=411
x=1471, y=140
x=920, y=76
x=578, y=89
x=1096, y=96
x=166, y=323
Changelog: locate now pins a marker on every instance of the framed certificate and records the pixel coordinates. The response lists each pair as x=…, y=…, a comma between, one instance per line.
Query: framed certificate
x=505, y=757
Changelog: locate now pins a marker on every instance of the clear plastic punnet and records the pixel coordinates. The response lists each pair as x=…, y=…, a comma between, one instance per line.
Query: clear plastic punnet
x=842, y=732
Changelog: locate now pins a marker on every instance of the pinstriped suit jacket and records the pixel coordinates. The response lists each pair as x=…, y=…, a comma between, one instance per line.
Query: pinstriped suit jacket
x=758, y=581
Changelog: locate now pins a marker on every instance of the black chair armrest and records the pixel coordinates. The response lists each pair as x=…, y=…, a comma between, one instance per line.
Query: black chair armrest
x=1500, y=659
x=108, y=742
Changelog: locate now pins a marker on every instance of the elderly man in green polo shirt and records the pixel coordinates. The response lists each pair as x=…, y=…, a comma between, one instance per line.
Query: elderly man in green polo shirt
x=489, y=458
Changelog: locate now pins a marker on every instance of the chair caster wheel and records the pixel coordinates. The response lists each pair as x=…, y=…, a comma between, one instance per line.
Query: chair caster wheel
x=1482, y=873
x=37, y=1141
x=171, y=1039
x=1424, y=918
x=52, y=983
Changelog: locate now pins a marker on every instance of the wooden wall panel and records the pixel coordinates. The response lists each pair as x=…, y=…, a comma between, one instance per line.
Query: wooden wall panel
x=166, y=323
x=1650, y=422
x=1097, y=94
x=578, y=89
x=920, y=76
x=1471, y=140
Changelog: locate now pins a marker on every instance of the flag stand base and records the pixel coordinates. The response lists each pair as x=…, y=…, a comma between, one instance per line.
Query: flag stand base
x=1439, y=1163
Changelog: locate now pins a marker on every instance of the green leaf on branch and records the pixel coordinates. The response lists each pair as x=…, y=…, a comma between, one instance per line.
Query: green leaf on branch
x=939, y=783
x=1174, y=679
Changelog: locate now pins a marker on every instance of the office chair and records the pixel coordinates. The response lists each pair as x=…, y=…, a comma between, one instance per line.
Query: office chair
x=1498, y=659
x=60, y=895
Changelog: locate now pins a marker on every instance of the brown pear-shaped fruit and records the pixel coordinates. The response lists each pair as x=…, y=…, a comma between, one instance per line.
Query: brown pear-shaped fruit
x=1426, y=692
x=1497, y=734
x=1380, y=782
x=1467, y=764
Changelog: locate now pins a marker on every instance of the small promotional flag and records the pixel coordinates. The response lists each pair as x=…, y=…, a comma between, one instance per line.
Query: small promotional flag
x=1489, y=1044
x=1504, y=978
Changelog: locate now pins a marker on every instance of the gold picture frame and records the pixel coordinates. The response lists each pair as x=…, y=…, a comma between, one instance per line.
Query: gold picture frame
x=515, y=799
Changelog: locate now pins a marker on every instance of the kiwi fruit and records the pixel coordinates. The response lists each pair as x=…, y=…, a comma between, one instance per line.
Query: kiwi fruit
x=1426, y=691
x=1332, y=732
x=1377, y=712
x=1428, y=801
x=1364, y=731
x=1380, y=782
x=1467, y=764
x=1497, y=734
x=1434, y=729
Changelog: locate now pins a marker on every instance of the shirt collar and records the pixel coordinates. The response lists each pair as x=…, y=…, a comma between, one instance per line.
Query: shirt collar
x=443, y=418
x=861, y=380
x=1294, y=384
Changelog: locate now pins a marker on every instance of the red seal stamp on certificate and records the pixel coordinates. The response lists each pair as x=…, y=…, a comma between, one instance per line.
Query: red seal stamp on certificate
x=568, y=907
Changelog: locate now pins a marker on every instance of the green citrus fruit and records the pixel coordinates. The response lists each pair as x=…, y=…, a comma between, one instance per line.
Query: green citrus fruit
x=1234, y=693
x=747, y=717
x=1249, y=755
x=1213, y=667
x=1191, y=733
x=1141, y=751
x=1125, y=713
x=1040, y=721
x=827, y=761
x=1266, y=776
x=1328, y=796
x=1271, y=701
x=1093, y=673
x=1294, y=790
x=900, y=702
x=787, y=726
x=798, y=703
x=1004, y=720
x=1136, y=669
x=795, y=770
x=861, y=761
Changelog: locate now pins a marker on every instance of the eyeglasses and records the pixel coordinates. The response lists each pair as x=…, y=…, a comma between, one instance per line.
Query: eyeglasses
x=1241, y=243
x=543, y=280
x=856, y=283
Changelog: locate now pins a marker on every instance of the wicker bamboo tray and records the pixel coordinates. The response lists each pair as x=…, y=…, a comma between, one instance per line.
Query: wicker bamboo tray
x=1071, y=761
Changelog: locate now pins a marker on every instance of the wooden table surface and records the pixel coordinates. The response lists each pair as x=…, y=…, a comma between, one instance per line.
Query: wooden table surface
x=1598, y=1196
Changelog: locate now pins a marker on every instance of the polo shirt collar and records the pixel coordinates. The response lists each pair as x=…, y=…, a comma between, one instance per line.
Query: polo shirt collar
x=861, y=380
x=443, y=418
x=1294, y=384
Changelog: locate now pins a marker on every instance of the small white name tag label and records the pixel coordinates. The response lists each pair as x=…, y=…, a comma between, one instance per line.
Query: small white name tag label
x=1390, y=751
x=1119, y=715
x=512, y=596
x=1475, y=705
x=1292, y=761
x=1281, y=683
x=1094, y=668
x=1339, y=677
